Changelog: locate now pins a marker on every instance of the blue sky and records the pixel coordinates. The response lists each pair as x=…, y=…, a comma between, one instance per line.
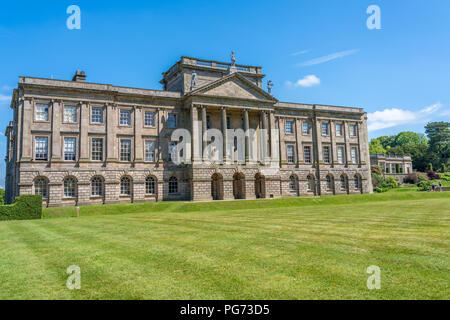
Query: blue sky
x=314, y=51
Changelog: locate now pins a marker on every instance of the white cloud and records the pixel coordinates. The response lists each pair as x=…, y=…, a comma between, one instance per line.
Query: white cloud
x=299, y=52
x=307, y=81
x=394, y=117
x=4, y=98
x=327, y=58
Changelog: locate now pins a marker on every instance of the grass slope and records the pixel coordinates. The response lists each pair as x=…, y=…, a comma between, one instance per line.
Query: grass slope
x=317, y=248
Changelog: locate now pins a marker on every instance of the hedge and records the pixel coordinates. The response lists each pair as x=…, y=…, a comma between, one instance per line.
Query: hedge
x=25, y=207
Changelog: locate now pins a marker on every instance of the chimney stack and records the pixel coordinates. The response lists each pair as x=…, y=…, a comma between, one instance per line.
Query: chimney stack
x=79, y=76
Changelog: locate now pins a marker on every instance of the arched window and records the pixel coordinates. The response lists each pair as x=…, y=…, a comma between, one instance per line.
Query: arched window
x=173, y=185
x=329, y=183
x=343, y=183
x=310, y=183
x=125, y=186
x=70, y=188
x=292, y=183
x=357, y=182
x=41, y=187
x=97, y=187
x=150, y=185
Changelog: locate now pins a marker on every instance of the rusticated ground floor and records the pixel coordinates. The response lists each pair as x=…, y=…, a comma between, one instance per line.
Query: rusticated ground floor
x=83, y=186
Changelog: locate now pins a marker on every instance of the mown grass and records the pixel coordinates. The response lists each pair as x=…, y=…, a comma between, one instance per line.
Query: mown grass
x=317, y=248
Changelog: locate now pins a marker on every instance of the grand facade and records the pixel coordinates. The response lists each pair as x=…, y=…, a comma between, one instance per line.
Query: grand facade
x=80, y=143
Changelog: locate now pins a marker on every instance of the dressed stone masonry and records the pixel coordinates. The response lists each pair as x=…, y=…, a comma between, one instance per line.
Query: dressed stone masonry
x=80, y=143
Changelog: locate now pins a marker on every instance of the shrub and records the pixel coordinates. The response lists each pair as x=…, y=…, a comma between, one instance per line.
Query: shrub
x=443, y=168
x=422, y=177
x=425, y=185
x=430, y=167
x=380, y=190
x=432, y=175
x=411, y=178
x=24, y=207
x=376, y=169
x=377, y=180
x=390, y=182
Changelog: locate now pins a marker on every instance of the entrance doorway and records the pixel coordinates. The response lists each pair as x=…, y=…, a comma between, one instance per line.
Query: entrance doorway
x=260, y=186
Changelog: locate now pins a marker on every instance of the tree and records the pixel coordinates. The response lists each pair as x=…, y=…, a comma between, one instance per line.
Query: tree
x=439, y=145
x=2, y=196
x=375, y=147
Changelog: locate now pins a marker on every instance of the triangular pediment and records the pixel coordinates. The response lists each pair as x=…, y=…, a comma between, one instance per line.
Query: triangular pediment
x=234, y=86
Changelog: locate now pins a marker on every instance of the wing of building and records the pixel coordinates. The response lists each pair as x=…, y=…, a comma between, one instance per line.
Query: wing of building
x=80, y=143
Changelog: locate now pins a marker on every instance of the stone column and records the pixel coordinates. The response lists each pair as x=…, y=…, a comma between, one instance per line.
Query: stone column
x=361, y=149
x=111, y=125
x=83, y=138
x=274, y=142
x=333, y=142
x=160, y=128
x=264, y=137
x=283, y=156
x=138, y=143
x=203, y=133
x=298, y=141
x=347, y=143
x=223, y=115
x=247, y=138
x=196, y=144
x=318, y=145
x=56, y=130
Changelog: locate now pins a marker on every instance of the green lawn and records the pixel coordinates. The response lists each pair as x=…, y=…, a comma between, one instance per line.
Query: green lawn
x=302, y=248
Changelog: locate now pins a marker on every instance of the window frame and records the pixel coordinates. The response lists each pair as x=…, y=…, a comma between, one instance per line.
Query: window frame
x=130, y=186
x=328, y=153
x=96, y=115
x=101, y=187
x=172, y=123
x=352, y=132
x=154, y=150
x=129, y=157
x=45, y=180
x=354, y=154
x=290, y=147
x=73, y=107
x=38, y=105
x=291, y=127
x=340, y=148
x=324, y=129
x=152, y=119
x=308, y=128
x=35, y=138
x=339, y=132
x=310, y=160
x=149, y=187
x=65, y=188
x=173, y=187
x=64, y=138
x=123, y=111
x=102, y=149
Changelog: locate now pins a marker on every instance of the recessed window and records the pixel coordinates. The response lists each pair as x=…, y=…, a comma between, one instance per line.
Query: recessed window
x=150, y=185
x=172, y=120
x=329, y=183
x=173, y=185
x=97, y=149
x=290, y=153
x=149, y=119
x=228, y=123
x=97, y=115
x=288, y=128
x=307, y=154
x=310, y=181
x=171, y=150
x=150, y=150
x=340, y=155
x=343, y=183
x=357, y=182
x=292, y=183
x=338, y=129
x=354, y=154
x=326, y=154
x=97, y=187
x=70, y=149
x=125, y=150
x=70, y=114
x=324, y=128
x=305, y=127
x=41, y=112
x=125, y=118
x=41, y=187
x=352, y=129
x=41, y=148
x=70, y=187
x=125, y=186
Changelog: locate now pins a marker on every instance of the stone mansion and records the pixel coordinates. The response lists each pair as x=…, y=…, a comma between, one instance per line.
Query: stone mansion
x=79, y=143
